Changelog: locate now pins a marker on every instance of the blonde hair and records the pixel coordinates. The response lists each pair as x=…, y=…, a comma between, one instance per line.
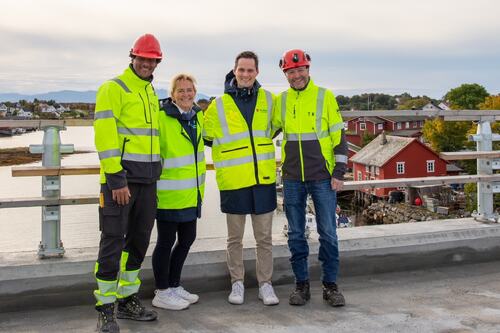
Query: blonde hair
x=177, y=78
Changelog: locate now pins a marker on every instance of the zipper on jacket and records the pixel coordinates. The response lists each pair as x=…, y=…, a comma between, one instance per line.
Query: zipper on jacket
x=195, y=151
x=150, y=127
x=125, y=140
x=301, y=166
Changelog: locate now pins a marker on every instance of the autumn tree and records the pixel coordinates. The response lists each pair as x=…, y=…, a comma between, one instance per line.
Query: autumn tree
x=414, y=103
x=445, y=136
x=492, y=103
x=467, y=96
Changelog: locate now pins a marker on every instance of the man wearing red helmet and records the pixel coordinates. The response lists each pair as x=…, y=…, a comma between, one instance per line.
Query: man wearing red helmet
x=127, y=142
x=314, y=156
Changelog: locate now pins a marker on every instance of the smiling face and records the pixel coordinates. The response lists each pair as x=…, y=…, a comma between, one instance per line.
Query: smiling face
x=183, y=94
x=144, y=67
x=298, y=77
x=245, y=72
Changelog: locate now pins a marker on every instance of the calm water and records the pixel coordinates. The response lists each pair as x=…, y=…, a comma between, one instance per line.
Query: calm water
x=21, y=227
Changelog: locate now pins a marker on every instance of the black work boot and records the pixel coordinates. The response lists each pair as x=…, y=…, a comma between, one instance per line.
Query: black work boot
x=131, y=308
x=332, y=295
x=106, y=322
x=301, y=294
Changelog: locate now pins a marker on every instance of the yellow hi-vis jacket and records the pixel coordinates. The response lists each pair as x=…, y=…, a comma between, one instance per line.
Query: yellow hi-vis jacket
x=242, y=157
x=312, y=125
x=183, y=174
x=126, y=130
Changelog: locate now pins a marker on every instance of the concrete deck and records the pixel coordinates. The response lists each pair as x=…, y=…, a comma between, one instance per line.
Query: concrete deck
x=27, y=282
x=457, y=299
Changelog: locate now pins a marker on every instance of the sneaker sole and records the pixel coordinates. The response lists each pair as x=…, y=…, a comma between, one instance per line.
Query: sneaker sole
x=168, y=307
x=236, y=302
x=272, y=303
x=191, y=301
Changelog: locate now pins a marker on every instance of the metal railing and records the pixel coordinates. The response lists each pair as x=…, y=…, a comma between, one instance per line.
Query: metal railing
x=51, y=170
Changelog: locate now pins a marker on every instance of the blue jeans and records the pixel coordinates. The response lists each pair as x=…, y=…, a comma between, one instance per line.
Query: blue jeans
x=325, y=202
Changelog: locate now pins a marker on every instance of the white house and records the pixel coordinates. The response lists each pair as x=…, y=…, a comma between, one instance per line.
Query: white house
x=444, y=106
x=430, y=107
x=24, y=114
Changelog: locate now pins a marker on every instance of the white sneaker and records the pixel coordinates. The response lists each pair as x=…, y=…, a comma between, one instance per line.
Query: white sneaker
x=267, y=295
x=184, y=294
x=168, y=299
x=237, y=294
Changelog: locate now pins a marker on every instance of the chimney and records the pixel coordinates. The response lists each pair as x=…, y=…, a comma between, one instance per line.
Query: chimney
x=383, y=140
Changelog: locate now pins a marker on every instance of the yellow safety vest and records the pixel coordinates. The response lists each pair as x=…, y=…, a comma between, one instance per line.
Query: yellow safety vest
x=183, y=173
x=242, y=158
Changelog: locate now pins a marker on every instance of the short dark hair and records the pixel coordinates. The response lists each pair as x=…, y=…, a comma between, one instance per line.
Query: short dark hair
x=247, y=55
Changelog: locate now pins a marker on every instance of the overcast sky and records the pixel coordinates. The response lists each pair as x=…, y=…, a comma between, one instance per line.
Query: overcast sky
x=391, y=46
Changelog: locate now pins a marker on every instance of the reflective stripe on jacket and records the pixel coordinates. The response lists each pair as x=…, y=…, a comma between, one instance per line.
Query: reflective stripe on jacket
x=242, y=156
x=311, y=123
x=126, y=128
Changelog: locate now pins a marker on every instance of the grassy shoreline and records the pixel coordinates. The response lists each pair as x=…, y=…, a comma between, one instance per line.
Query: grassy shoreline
x=21, y=155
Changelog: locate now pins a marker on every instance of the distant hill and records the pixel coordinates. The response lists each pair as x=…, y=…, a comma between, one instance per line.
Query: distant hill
x=71, y=96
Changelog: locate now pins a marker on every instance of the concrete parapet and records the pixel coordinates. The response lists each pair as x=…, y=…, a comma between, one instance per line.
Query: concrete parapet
x=26, y=281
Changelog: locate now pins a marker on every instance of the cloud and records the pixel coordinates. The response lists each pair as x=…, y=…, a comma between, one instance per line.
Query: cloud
x=356, y=45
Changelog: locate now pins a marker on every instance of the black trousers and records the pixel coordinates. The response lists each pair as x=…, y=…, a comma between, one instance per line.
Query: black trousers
x=168, y=261
x=125, y=228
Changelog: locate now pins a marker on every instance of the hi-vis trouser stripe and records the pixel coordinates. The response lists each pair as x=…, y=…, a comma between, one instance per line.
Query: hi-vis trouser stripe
x=181, y=184
x=310, y=136
x=177, y=162
x=226, y=138
x=243, y=160
x=129, y=282
x=106, y=292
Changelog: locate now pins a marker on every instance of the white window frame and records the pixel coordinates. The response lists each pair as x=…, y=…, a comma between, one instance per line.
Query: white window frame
x=415, y=124
x=380, y=127
x=367, y=168
x=431, y=166
x=400, y=168
x=398, y=125
x=377, y=171
x=360, y=175
x=407, y=125
x=346, y=125
x=362, y=126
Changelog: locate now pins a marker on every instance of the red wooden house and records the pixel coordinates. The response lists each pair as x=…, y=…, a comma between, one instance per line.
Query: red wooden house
x=388, y=157
x=407, y=126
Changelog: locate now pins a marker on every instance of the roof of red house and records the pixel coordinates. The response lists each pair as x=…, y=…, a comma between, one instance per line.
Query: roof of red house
x=377, y=154
x=374, y=120
x=405, y=118
x=407, y=133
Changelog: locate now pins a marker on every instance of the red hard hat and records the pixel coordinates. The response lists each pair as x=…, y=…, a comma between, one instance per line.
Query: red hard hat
x=294, y=58
x=147, y=46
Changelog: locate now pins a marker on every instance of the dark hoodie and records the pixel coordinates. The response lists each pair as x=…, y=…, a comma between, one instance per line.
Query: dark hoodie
x=189, y=121
x=257, y=199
